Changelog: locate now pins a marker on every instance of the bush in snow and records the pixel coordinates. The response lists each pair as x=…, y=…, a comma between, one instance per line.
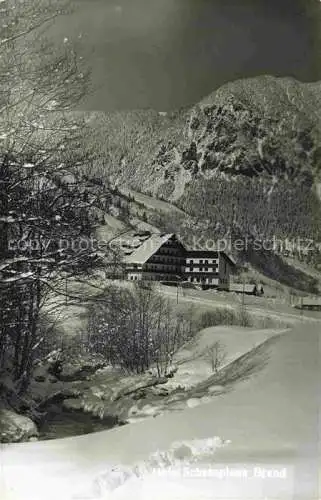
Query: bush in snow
x=137, y=329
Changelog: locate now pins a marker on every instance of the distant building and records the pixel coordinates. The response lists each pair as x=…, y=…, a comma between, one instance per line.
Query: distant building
x=159, y=258
x=310, y=303
x=246, y=288
x=208, y=268
x=162, y=257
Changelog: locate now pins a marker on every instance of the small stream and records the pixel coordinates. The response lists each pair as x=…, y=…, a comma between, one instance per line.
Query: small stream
x=60, y=422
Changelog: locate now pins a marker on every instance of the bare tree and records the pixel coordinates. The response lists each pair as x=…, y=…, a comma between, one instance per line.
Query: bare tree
x=40, y=82
x=216, y=355
x=137, y=329
x=42, y=200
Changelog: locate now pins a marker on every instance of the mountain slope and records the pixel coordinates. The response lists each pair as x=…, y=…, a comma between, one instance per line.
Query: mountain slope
x=253, y=114
x=227, y=162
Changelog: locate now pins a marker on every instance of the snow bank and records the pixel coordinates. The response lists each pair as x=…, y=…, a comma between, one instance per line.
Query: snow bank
x=160, y=476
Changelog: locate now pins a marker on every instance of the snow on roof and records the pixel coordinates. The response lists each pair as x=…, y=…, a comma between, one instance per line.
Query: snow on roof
x=313, y=301
x=148, y=248
x=239, y=287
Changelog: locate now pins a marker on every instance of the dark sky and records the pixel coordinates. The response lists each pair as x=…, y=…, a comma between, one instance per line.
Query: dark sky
x=165, y=54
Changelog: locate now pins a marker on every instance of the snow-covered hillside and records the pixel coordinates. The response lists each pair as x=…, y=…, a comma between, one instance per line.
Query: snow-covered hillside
x=270, y=421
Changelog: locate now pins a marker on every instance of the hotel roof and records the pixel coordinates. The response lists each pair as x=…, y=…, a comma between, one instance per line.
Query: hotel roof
x=147, y=248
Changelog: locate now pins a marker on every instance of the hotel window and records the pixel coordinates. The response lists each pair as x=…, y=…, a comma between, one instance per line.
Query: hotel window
x=201, y=261
x=206, y=262
x=191, y=262
x=206, y=268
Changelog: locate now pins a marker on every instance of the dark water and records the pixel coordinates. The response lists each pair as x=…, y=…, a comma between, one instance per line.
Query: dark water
x=61, y=423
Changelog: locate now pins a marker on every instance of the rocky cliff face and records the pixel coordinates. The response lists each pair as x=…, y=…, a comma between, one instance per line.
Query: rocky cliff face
x=262, y=128
x=256, y=127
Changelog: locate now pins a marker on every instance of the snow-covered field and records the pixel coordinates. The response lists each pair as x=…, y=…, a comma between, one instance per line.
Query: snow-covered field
x=269, y=424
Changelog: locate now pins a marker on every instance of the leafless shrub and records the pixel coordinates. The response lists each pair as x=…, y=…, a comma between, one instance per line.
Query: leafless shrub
x=244, y=318
x=240, y=317
x=137, y=329
x=224, y=316
x=216, y=354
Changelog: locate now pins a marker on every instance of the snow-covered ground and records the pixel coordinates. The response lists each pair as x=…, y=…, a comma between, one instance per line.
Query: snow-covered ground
x=277, y=311
x=271, y=420
x=193, y=362
x=184, y=471
x=149, y=201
